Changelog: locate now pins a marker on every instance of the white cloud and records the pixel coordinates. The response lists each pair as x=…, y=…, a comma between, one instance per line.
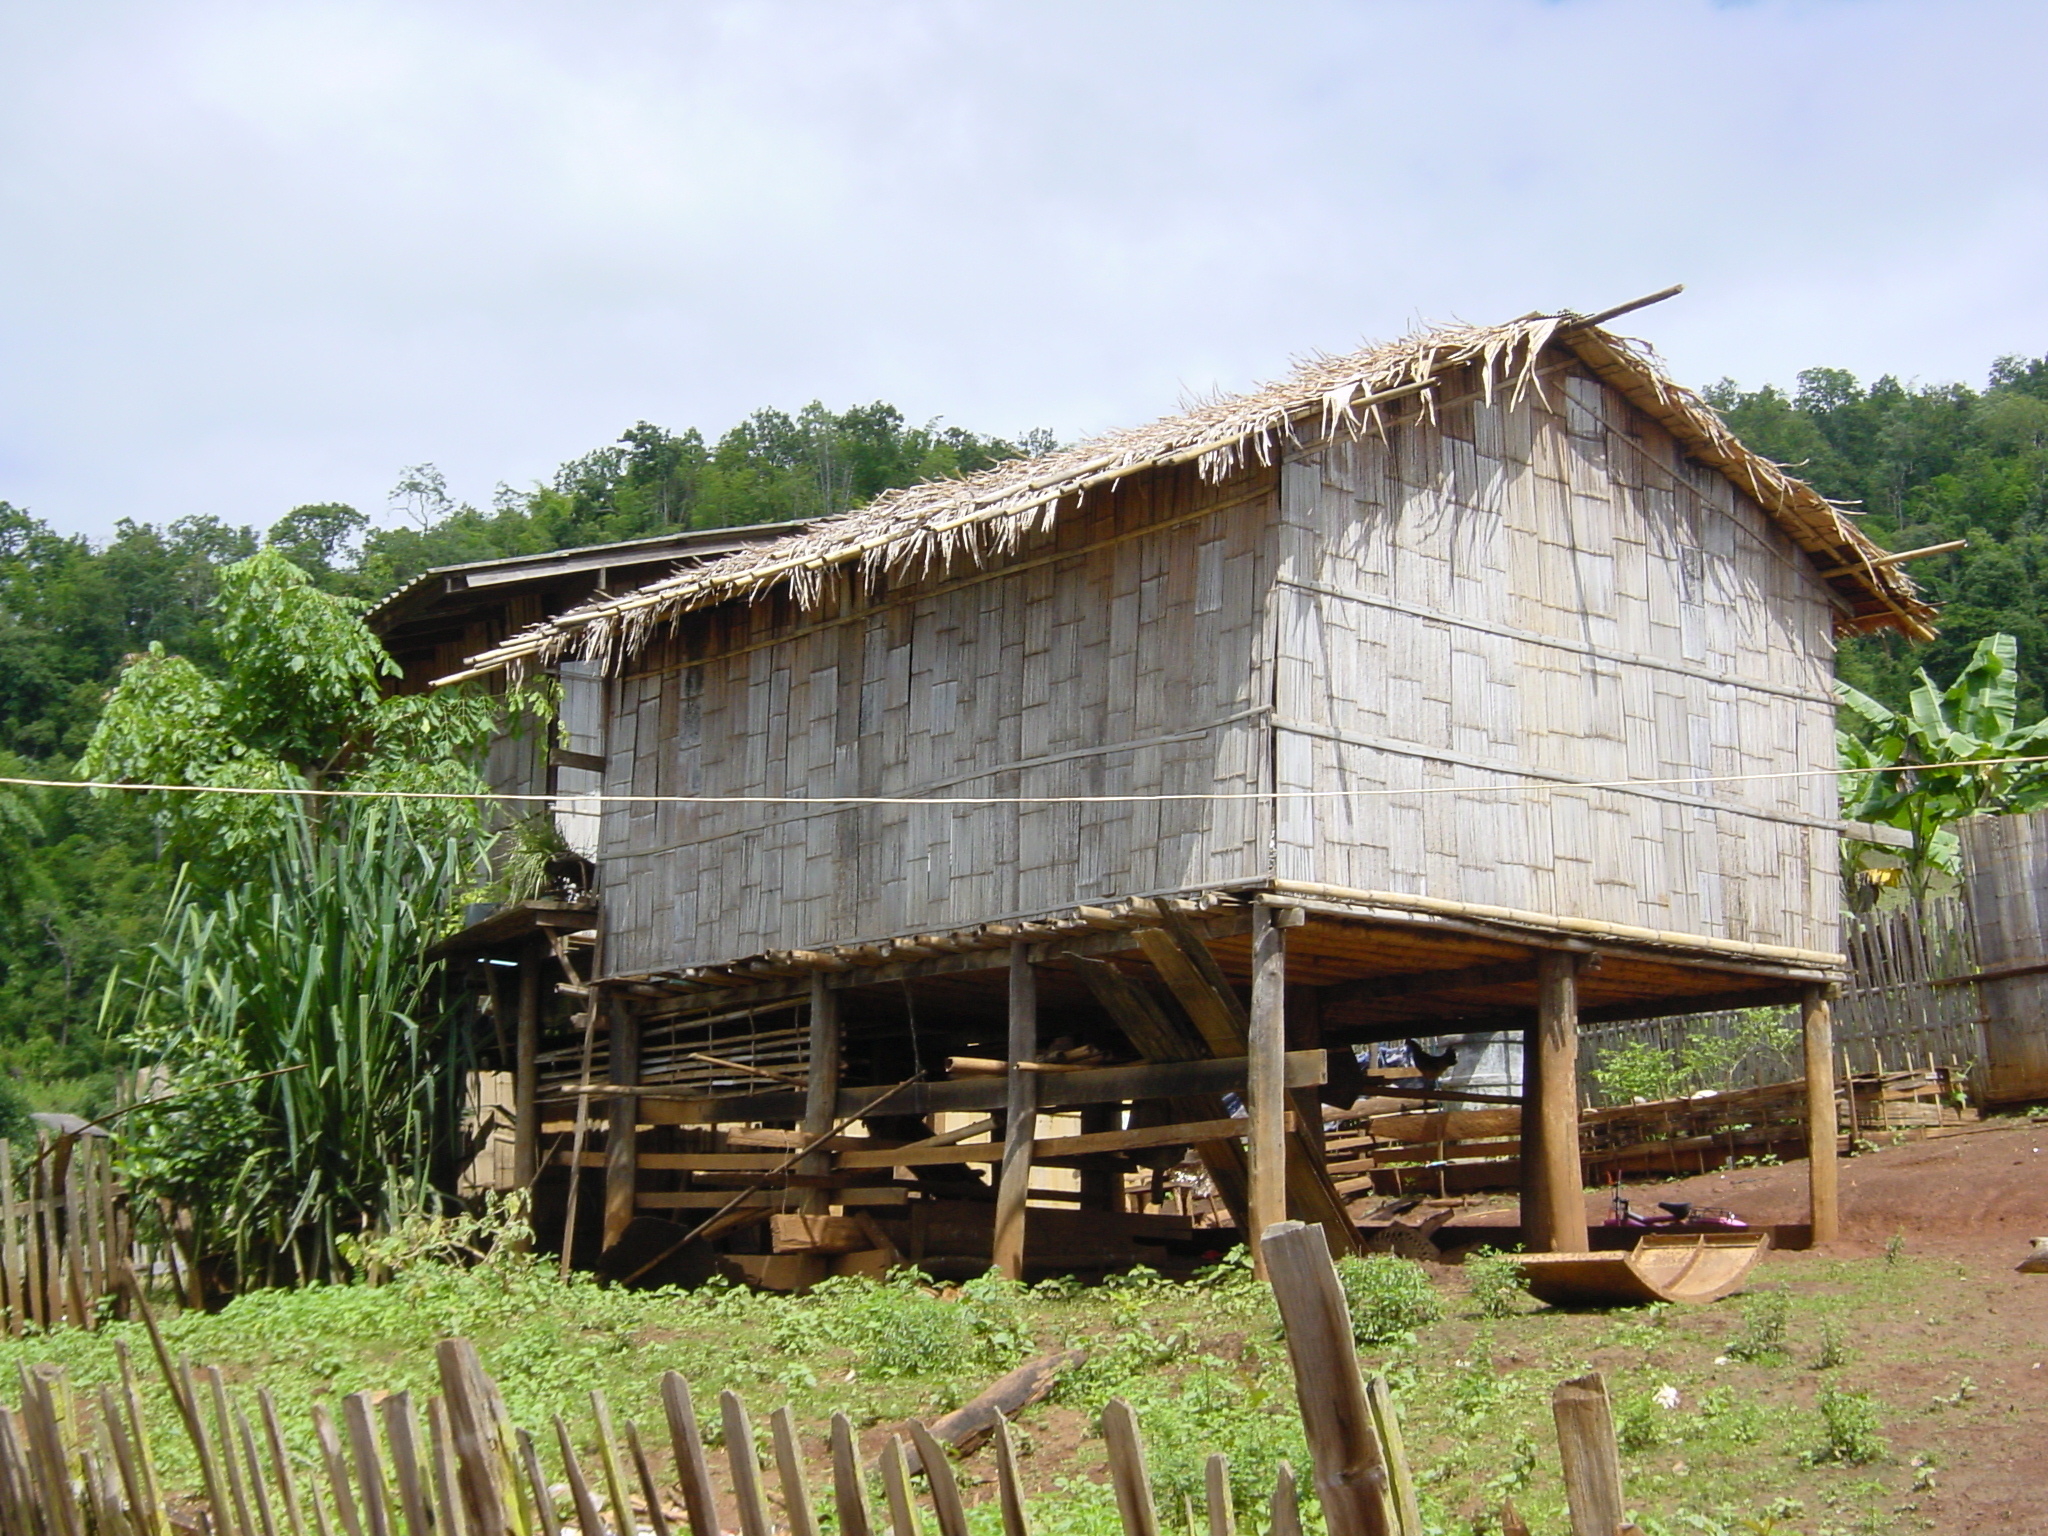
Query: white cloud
x=261, y=254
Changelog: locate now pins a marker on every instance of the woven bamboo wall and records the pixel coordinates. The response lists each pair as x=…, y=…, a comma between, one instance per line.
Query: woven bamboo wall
x=1554, y=593
x=1537, y=593
x=1121, y=653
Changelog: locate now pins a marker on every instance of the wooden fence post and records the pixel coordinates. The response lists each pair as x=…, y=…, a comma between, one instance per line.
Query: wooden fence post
x=1350, y=1474
x=1592, y=1462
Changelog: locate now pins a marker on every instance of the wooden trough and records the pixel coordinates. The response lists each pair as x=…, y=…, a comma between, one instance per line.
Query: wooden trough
x=1664, y=1266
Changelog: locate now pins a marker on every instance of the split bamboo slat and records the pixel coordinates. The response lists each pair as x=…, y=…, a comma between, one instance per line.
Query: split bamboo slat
x=66, y=1239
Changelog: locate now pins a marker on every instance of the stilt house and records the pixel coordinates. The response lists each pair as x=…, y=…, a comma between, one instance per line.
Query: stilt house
x=962, y=856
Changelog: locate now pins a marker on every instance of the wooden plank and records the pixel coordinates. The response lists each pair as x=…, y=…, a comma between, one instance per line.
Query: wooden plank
x=815, y=1234
x=1349, y=1472
x=1127, y=1471
x=744, y=1465
x=1066, y=1090
x=849, y=1485
x=692, y=1467
x=1188, y=1133
x=712, y=1199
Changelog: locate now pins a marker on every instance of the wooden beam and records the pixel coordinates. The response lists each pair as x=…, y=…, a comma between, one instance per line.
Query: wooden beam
x=1378, y=989
x=1161, y=1039
x=622, y=1132
x=1823, y=1209
x=821, y=1084
x=1557, y=1031
x=1265, y=1099
x=1013, y=1186
x=1066, y=1090
x=1045, y=1148
x=1190, y=971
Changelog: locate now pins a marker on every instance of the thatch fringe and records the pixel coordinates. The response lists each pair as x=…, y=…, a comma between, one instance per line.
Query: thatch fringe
x=925, y=529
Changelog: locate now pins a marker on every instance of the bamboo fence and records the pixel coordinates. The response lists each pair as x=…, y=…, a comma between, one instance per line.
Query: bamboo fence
x=65, y=1236
x=79, y=1464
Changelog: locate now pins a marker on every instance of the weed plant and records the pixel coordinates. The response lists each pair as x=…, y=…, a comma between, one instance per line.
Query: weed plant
x=1389, y=1297
x=1495, y=1283
x=1849, y=1428
x=1765, y=1319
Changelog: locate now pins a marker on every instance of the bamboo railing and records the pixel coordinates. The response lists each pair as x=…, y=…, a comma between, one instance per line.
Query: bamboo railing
x=78, y=1464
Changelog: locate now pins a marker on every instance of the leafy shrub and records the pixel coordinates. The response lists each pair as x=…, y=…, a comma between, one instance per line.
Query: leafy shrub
x=1639, y=1424
x=899, y=1327
x=1495, y=1282
x=15, y=1125
x=1848, y=1428
x=1764, y=1320
x=1390, y=1297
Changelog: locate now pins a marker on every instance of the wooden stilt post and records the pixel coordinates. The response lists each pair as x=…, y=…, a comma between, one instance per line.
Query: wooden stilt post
x=1101, y=1187
x=1823, y=1210
x=526, y=1072
x=1557, y=1080
x=622, y=1134
x=821, y=1086
x=1535, y=1211
x=1266, y=1080
x=1013, y=1189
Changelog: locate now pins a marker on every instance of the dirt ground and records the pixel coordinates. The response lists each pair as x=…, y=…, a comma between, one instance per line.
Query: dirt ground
x=1977, y=1197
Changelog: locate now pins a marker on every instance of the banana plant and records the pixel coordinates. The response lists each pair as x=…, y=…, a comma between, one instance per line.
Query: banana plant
x=1948, y=755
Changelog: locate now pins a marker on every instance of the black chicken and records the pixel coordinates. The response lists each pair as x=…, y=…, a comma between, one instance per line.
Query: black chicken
x=1431, y=1064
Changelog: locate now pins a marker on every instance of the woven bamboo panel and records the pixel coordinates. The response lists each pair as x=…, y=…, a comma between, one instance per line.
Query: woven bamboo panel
x=1538, y=596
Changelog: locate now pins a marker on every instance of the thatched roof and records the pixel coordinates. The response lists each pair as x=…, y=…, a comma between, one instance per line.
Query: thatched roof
x=984, y=517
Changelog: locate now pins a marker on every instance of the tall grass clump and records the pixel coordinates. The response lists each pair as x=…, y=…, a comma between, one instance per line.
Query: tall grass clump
x=314, y=971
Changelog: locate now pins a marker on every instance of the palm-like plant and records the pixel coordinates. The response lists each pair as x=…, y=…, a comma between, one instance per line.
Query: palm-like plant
x=1947, y=756
x=317, y=972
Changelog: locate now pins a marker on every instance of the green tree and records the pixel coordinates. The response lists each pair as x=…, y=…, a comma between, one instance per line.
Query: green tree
x=299, y=705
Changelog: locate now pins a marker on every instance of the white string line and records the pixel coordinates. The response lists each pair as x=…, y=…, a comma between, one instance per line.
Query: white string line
x=596, y=798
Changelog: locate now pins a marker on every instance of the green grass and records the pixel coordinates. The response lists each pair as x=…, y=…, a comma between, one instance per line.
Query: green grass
x=1203, y=1364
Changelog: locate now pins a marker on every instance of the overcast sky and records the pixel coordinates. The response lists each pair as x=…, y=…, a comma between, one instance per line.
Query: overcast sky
x=257, y=255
